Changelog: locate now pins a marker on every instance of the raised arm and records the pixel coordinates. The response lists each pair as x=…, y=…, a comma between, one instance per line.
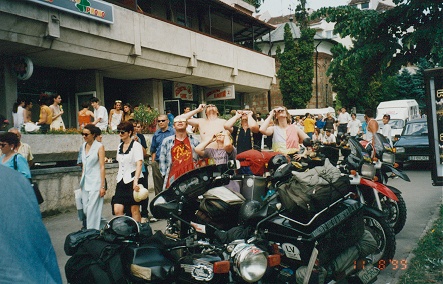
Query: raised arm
x=200, y=149
x=265, y=128
x=252, y=123
x=189, y=115
x=229, y=125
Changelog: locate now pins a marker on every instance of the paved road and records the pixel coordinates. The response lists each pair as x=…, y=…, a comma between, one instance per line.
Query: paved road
x=422, y=200
x=420, y=196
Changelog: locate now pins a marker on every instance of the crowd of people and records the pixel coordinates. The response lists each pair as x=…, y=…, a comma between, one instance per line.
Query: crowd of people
x=174, y=150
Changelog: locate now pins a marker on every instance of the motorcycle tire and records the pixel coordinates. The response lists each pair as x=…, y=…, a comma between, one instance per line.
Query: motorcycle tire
x=384, y=235
x=395, y=211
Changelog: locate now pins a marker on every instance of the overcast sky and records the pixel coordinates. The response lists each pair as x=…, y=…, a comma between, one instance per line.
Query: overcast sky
x=281, y=7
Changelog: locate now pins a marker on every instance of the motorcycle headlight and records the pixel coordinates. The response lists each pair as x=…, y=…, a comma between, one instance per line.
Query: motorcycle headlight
x=368, y=170
x=388, y=158
x=250, y=262
x=399, y=149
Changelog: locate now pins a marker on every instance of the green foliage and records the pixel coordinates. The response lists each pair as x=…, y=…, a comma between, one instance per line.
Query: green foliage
x=427, y=264
x=255, y=3
x=383, y=43
x=296, y=69
x=147, y=116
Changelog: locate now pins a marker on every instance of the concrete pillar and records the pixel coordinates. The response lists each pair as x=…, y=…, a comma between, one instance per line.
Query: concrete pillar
x=157, y=95
x=8, y=89
x=90, y=81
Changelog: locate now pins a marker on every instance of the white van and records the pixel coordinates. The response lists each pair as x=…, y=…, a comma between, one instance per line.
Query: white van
x=312, y=111
x=400, y=111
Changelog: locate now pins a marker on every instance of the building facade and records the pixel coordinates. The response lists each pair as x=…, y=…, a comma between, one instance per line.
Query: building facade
x=165, y=53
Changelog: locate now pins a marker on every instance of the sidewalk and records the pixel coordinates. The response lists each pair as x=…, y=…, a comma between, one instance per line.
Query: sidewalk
x=59, y=226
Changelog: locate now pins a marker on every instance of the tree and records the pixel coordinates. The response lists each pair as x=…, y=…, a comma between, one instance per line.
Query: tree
x=255, y=3
x=297, y=67
x=385, y=42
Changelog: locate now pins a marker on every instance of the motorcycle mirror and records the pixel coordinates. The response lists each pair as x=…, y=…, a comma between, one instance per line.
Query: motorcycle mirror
x=233, y=164
x=307, y=142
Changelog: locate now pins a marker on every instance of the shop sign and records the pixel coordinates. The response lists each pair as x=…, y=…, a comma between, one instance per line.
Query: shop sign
x=93, y=9
x=182, y=91
x=23, y=67
x=434, y=108
x=219, y=94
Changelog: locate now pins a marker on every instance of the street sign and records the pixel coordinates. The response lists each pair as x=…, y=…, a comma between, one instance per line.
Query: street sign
x=434, y=96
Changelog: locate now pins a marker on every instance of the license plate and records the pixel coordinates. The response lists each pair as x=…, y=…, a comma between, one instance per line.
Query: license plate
x=368, y=275
x=419, y=158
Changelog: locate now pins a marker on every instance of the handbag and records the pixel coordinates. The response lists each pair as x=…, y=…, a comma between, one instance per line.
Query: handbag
x=34, y=185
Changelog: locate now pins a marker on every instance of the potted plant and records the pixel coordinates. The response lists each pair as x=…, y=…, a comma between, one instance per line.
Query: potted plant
x=147, y=117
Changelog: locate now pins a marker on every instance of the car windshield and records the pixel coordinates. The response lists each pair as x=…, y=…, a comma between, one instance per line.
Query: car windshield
x=394, y=123
x=416, y=129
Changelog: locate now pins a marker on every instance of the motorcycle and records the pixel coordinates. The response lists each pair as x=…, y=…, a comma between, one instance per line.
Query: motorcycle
x=127, y=252
x=382, y=196
x=181, y=205
x=279, y=231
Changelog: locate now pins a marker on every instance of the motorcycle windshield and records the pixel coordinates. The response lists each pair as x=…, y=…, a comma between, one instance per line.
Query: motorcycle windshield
x=381, y=144
x=358, y=154
x=188, y=186
x=358, y=150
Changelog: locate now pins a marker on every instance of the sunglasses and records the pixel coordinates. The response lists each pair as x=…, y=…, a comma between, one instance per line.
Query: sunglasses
x=280, y=110
x=210, y=105
x=179, y=120
x=3, y=144
x=121, y=131
x=86, y=134
x=118, y=101
x=162, y=120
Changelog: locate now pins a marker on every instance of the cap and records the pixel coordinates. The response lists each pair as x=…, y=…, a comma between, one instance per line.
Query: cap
x=141, y=194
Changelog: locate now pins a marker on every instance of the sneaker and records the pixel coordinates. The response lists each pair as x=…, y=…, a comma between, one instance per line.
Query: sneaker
x=152, y=220
x=144, y=220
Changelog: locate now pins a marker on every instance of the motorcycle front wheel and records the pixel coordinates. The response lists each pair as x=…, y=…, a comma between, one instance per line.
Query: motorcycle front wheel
x=395, y=211
x=385, y=238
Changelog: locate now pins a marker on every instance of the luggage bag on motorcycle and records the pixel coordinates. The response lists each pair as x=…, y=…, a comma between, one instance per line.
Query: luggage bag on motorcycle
x=95, y=261
x=219, y=203
x=307, y=200
x=73, y=240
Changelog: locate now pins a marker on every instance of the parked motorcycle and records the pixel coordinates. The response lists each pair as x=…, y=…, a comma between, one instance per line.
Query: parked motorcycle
x=380, y=195
x=300, y=238
x=127, y=252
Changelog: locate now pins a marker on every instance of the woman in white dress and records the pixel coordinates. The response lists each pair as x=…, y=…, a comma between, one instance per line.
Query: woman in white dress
x=115, y=115
x=18, y=114
x=57, y=111
x=92, y=181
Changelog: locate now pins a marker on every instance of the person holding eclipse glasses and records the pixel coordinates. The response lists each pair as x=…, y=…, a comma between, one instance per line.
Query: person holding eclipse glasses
x=286, y=137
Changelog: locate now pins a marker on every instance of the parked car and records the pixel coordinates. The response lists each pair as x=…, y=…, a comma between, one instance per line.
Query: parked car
x=413, y=144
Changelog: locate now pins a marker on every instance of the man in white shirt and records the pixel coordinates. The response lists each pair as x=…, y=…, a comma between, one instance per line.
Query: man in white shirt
x=386, y=130
x=343, y=119
x=354, y=126
x=100, y=115
x=329, y=138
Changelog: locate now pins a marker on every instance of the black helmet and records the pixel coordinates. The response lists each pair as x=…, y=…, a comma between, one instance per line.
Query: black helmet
x=247, y=209
x=276, y=162
x=121, y=228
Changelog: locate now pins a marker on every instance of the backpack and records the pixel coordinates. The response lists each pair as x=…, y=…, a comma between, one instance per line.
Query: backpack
x=299, y=197
x=96, y=261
